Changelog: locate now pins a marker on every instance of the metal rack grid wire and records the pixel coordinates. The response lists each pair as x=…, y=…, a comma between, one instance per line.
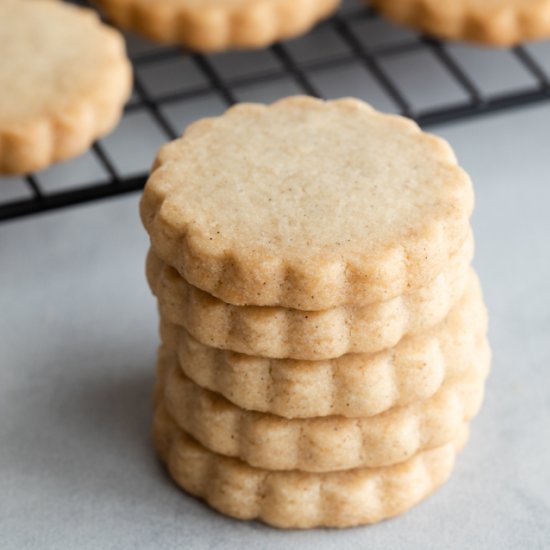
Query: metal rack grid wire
x=354, y=53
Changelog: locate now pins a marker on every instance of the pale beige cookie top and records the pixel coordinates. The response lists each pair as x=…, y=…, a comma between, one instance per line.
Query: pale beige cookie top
x=64, y=78
x=497, y=22
x=213, y=25
x=307, y=204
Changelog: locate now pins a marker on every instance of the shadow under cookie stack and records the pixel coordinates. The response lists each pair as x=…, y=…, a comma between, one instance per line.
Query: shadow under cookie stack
x=323, y=333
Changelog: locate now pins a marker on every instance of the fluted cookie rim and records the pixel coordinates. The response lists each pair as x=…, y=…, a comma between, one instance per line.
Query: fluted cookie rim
x=298, y=499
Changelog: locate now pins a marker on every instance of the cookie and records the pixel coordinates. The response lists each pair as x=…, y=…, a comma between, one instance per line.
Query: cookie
x=307, y=204
x=214, y=25
x=327, y=443
x=496, y=22
x=299, y=499
x=354, y=385
x=64, y=78
x=278, y=332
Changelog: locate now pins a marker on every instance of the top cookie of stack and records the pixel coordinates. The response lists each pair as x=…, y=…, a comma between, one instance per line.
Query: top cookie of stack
x=307, y=205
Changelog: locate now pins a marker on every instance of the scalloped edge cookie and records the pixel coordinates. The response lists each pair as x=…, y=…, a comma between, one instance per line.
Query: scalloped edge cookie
x=278, y=332
x=255, y=24
x=511, y=23
x=299, y=499
x=327, y=443
x=62, y=133
x=294, y=277
x=353, y=385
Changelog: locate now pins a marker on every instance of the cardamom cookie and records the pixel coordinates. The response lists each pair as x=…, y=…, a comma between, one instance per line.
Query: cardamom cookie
x=213, y=25
x=354, y=385
x=326, y=443
x=496, y=22
x=307, y=204
x=64, y=78
x=300, y=499
x=289, y=333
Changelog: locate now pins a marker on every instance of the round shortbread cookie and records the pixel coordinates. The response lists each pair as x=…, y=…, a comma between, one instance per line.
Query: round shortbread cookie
x=64, y=78
x=300, y=499
x=496, y=22
x=214, y=25
x=323, y=444
x=307, y=204
x=278, y=332
x=354, y=385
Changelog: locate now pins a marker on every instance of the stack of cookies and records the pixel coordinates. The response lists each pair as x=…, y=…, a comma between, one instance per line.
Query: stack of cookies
x=323, y=334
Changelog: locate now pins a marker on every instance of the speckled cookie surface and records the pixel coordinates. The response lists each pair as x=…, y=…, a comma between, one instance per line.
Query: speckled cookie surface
x=322, y=444
x=307, y=204
x=213, y=25
x=299, y=499
x=278, y=332
x=64, y=78
x=496, y=22
x=354, y=385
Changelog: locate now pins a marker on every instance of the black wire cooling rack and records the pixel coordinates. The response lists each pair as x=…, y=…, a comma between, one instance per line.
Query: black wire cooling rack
x=353, y=54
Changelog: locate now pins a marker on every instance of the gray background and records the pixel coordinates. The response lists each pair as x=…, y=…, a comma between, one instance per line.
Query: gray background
x=77, y=346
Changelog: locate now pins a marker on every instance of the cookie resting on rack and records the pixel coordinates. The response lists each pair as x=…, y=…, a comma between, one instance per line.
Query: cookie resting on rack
x=493, y=22
x=64, y=79
x=299, y=499
x=307, y=204
x=214, y=25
